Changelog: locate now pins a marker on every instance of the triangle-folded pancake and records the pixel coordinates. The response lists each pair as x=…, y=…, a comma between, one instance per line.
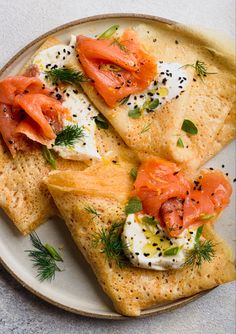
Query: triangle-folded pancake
x=106, y=189
x=23, y=196
x=206, y=102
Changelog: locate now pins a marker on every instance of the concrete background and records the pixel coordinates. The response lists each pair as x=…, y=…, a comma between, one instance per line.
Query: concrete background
x=23, y=313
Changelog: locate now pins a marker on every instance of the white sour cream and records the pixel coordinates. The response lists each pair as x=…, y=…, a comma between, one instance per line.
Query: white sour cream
x=171, y=81
x=146, y=244
x=82, y=112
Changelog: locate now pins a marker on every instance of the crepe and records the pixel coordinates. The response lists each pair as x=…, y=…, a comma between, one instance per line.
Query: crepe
x=130, y=288
x=22, y=194
x=206, y=102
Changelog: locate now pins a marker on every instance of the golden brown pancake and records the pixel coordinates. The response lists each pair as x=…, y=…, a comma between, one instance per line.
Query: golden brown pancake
x=130, y=288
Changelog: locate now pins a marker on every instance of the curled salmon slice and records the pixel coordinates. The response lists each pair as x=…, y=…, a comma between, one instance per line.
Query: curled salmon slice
x=8, y=123
x=178, y=203
x=38, y=107
x=27, y=112
x=118, y=67
x=14, y=85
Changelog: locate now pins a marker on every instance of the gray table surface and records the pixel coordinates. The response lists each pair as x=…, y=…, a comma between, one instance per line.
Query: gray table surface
x=23, y=313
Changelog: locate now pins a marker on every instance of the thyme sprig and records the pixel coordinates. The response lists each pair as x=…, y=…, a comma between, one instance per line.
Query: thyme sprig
x=44, y=258
x=111, y=243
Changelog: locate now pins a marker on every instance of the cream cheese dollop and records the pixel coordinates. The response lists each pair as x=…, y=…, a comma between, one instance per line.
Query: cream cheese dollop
x=82, y=112
x=170, y=83
x=147, y=245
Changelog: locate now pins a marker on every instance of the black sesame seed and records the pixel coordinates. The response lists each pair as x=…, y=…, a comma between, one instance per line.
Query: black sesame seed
x=194, y=79
x=211, y=168
x=154, y=244
x=162, y=73
x=10, y=141
x=177, y=96
x=160, y=254
x=68, y=52
x=67, y=94
x=234, y=180
x=176, y=42
x=136, y=253
x=149, y=263
x=143, y=230
x=146, y=254
x=64, y=58
x=180, y=87
x=75, y=91
x=74, y=115
x=226, y=174
x=158, y=248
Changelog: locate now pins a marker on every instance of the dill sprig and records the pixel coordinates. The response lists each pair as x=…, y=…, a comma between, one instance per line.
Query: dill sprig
x=111, y=243
x=200, y=68
x=146, y=128
x=119, y=44
x=66, y=75
x=92, y=211
x=202, y=251
x=69, y=135
x=44, y=258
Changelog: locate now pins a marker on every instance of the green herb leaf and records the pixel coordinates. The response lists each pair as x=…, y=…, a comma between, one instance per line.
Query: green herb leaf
x=200, y=68
x=189, y=127
x=66, y=75
x=172, y=251
x=199, y=233
x=154, y=104
x=125, y=100
x=109, y=32
x=101, y=122
x=134, y=205
x=49, y=156
x=206, y=217
x=150, y=220
x=135, y=113
x=202, y=251
x=44, y=258
x=180, y=143
x=52, y=251
x=92, y=211
x=133, y=173
x=111, y=243
x=69, y=135
x=120, y=45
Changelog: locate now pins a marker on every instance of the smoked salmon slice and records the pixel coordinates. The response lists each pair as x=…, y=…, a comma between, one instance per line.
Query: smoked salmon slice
x=178, y=203
x=118, y=67
x=28, y=112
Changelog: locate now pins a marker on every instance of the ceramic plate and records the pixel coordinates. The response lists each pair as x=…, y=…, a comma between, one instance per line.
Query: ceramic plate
x=76, y=288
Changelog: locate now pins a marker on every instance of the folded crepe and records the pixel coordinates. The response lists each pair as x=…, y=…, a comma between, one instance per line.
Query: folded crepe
x=23, y=196
x=106, y=190
x=208, y=103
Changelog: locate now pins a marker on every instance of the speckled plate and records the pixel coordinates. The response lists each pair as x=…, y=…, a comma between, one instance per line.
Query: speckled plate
x=76, y=288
